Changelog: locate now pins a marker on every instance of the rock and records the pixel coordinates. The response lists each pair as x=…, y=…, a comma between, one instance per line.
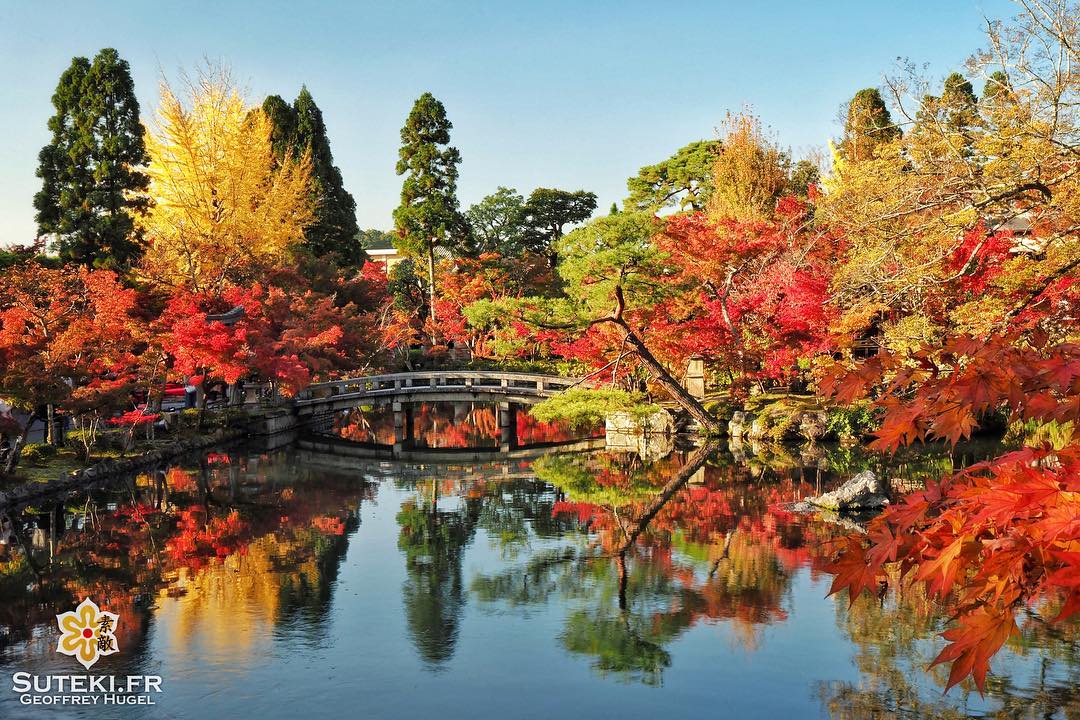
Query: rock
x=758, y=428
x=812, y=425
x=651, y=436
x=739, y=424
x=658, y=423
x=865, y=491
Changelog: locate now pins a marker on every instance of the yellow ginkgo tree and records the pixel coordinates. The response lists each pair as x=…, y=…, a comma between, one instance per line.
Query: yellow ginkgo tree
x=223, y=207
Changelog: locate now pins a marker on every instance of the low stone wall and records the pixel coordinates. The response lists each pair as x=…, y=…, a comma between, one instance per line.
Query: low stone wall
x=273, y=422
x=29, y=492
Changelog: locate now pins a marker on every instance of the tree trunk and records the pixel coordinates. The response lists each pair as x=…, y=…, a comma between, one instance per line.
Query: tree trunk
x=16, y=449
x=431, y=281
x=674, y=388
x=50, y=425
x=201, y=409
x=678, y=480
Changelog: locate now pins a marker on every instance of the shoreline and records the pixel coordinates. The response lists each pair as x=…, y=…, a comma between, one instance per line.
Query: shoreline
x=27, y=492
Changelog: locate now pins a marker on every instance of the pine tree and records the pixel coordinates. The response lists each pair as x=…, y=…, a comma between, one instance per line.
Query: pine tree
x=546, y=214
x=428, y=216
x=868, y=125
x=299, y=128
x=959, y=101
x=282, y=125
x=997, y=87
x=92, y=185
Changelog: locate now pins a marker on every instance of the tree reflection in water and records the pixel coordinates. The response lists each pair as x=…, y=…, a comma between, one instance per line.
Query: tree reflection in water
x=896, y=642
x=661, y=555
x=238, y=543
x=434, y=540
x=237, y=550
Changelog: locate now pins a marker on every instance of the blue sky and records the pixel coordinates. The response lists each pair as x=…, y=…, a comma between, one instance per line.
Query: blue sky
x=575, y=94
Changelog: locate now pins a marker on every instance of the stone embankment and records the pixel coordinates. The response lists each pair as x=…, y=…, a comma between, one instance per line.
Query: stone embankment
x=262, y=424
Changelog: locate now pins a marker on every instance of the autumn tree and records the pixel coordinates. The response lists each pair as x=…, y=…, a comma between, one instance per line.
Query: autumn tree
x=298, y=131
x=749, y=173
x=64, y=337
x=488, y=276
x=611, y=270
x=754, y=295
x=999, y=536
x=428, y=216
x=283, y=330
x=546, y=214
x=92, y=182
x=968, y=220
x=962, y=242
x=683, y=181
x=223, y=207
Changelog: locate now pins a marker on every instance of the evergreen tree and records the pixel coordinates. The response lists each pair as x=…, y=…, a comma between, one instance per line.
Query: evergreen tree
x=546, y=214
x=282, y=125
x=92, y=185
x=868, y=125
x=496, y=223
x=958, y=102
x=298, y=129
x=428, y=217
x=683, y=181
x=805, y=174
x=376, y=239
x=997, y=87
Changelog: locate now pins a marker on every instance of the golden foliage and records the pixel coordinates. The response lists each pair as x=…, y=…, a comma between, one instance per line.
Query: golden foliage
x=921, y=213
x=222, y=205
x=750, y=172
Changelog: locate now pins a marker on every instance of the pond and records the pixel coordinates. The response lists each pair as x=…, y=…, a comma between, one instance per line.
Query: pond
x=281, y=583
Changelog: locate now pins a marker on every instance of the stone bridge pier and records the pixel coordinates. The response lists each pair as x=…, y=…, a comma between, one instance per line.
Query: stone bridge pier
x=506, y=416
x=403, y=425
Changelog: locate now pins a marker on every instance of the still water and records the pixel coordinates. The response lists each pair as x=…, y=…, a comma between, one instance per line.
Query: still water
x=294, y=583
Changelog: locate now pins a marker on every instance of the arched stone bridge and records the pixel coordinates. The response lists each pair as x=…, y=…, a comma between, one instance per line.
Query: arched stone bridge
x=506, y=390
x=437, y=386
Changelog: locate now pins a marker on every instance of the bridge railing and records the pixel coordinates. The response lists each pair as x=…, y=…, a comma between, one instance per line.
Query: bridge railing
x=419, y=383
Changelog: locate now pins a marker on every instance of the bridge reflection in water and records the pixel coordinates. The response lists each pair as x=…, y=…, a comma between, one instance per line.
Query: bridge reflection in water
x=437, y=417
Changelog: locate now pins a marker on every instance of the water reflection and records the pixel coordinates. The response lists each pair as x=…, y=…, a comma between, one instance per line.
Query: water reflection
x=433, y=540
x=448, y=425
x=685, y=577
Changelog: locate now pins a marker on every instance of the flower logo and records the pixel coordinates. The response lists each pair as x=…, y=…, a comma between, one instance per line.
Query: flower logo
x=87, y=633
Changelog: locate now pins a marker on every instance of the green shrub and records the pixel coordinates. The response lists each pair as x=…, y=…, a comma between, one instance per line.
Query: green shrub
x=580, y=407
x=107, y=438
x=77, y=437
x=850, y=422
x=1034, y=433
x=37, y=453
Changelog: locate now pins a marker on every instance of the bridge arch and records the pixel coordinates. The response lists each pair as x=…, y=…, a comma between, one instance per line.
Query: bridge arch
x=431, y=386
